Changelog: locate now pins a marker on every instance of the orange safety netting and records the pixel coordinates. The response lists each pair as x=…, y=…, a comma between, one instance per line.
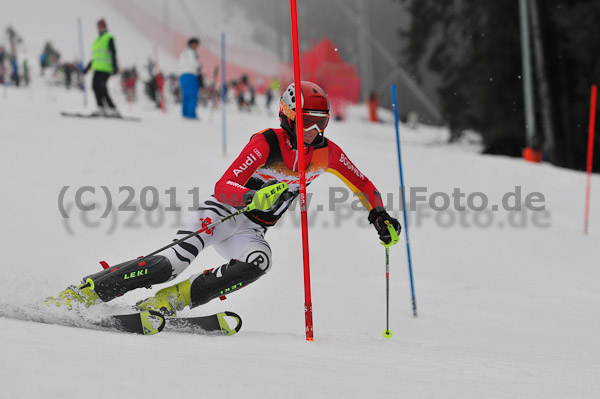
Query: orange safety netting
x=323, y=65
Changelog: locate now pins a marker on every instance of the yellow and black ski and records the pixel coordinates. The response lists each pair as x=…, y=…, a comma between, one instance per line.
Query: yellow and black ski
x=218, y=324
x=147, y=322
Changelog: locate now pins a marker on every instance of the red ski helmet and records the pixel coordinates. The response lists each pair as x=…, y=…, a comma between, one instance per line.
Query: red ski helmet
x=315, y=111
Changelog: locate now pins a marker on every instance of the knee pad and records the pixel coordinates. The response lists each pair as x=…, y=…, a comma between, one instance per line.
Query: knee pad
x=127, y=276
x=224, y=280
x=259, y=258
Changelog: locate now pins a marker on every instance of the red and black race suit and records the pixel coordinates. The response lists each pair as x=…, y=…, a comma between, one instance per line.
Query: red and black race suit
x=269, y=156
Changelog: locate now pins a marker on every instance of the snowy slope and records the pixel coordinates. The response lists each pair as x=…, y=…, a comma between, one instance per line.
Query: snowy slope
x=38, y=22
x=208, y=19
x=56, y=21
x=504, y=311
x=507, y=301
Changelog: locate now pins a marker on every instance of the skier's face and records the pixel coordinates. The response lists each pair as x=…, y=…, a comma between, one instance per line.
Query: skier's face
x=314, y=123
x=310, y=135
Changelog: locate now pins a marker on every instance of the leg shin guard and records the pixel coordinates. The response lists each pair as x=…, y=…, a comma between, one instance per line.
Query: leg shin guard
x=127, y=276
x=223, y=280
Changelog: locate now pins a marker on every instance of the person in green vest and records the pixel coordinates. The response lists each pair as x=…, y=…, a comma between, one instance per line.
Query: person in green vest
x=104, y=64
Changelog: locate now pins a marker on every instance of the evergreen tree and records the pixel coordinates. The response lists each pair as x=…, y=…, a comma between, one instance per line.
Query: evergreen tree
x=475, y=47
x=573, y=50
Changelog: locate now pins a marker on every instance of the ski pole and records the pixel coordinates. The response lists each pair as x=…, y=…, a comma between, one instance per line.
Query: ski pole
x=387, y=333
x=402, y=187
x=139, y=260
x=247, y=208
x=263, y=199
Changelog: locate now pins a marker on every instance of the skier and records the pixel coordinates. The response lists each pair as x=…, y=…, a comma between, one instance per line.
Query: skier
x=104, y=64
x=272, y=90
x=270, y=157
x=189, y=69
x=2, y=70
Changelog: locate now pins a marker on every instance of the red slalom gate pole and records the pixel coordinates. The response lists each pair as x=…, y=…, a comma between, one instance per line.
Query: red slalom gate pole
x=590, y=156
x=302, y=173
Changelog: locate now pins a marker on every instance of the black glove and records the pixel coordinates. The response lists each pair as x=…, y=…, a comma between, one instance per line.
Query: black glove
x=378, y=216
x=248, y=196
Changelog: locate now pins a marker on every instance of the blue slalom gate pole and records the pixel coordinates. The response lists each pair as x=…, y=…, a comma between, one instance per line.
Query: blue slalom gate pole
x=81, y=54
x=223, y=96
x=410, y=273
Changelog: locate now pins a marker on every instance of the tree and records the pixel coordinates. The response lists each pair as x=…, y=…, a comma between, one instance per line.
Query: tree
x=574, y=62
x=474, y=45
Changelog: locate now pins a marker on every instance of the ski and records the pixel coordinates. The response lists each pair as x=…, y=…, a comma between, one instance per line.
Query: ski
x=140, y=322
x=213, y=324
x=95, y=116
x=145, y=323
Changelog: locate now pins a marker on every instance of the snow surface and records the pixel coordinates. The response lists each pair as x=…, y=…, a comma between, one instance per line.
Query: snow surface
x=38, y=22
x=505, y=311
x=56, y=21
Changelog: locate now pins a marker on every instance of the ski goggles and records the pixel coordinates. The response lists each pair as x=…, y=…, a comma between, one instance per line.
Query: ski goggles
x=315, y=120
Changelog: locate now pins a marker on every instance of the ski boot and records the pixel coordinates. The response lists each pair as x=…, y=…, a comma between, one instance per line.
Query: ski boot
x=170, y=300
x=75, y=296
x=202, y=288
x=114, y=281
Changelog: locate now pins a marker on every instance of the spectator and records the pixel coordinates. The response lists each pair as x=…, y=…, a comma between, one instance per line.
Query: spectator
x=2, y=70
x=244, y=93
x=373, y=104
x=104, y=64
x=128, y=80
x=272, y=91
x=49, y=57
x=15, y=78
x=25, y=72
x=189, y=68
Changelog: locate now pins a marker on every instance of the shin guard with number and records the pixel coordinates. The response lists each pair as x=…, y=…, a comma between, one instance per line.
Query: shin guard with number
x=127, y=276
x=223, y=280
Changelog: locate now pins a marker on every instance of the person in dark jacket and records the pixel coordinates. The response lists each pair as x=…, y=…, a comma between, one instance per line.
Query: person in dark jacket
x=104, y=64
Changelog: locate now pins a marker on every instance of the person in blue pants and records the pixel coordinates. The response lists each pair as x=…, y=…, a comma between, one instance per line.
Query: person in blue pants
x=189, y=67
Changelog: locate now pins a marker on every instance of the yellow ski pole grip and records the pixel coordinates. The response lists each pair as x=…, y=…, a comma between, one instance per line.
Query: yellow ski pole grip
x=267, y=196
x=393, y=235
